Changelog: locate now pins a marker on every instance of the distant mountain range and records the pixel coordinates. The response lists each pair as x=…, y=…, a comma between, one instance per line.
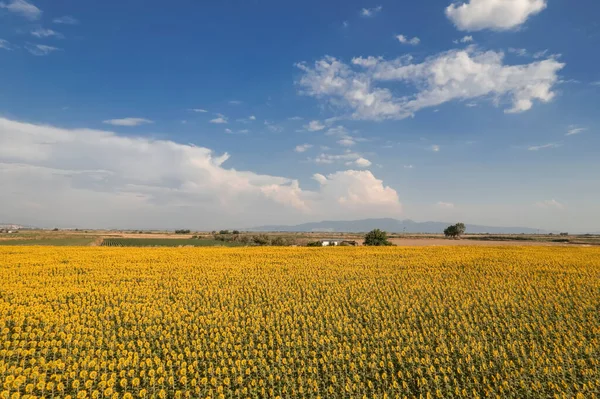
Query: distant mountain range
x=392, y=226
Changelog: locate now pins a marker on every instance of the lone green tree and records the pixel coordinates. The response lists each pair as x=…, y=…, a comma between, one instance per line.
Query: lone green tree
x=377, y=238
x=455, y=230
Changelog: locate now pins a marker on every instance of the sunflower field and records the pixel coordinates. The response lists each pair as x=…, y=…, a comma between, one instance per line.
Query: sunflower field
x=387, y=322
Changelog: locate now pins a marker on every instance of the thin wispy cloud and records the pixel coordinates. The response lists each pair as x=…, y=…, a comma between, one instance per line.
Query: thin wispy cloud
x=43, y=33
x=550, y=204
x=199, y=110
x=66, y=20
x=5, y=44
x=129, y=122
x=411, y=41
x=273, y=127
x=303, y=147
x=296, y=118
x=465, y=39
x=543, y=146
x=22, y=8
x=409, y=167
x=314, y=126
x=596, y=83
x=575, y=130
x=369, y=12
x=40, y=49
x=235, y=102
x=434, y=148
x=445, y=205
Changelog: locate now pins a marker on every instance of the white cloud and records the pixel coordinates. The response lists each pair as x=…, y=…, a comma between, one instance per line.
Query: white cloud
x=597, y=83
x=220, y=119
x=550, y=204
x=349, y=158
x=314, y=126
x=345, y=24
x=435, y=148
x=235, y=102
x=303, y=147
x=453, y=75
x=40, y=49
x=465, y=39
x=296, y=118
x=409, y=167
x=492, y=14
x=445, y=205
x=252, y=117
x=66, y=20
x=543, y=146
x=521, y=52
x=91, y=178
x=360, y=162
x=4, y=44
x=42, y=33
x=369, y=12
x=575, y=130
x=22, y=8
x=346, y=142
x=540, y=54
x=357, y=189
x=199, y=110
x=405, y=40
x=228, y=131
x=127, y=121
x=273, y=127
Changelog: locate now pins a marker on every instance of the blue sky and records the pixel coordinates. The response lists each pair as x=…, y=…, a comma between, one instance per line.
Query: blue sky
x=231, y=114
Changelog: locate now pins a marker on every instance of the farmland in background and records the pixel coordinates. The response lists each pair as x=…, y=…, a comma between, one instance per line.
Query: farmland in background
x=165, y=242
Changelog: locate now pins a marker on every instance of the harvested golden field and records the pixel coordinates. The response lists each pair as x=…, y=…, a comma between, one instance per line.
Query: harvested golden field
x=434, y=322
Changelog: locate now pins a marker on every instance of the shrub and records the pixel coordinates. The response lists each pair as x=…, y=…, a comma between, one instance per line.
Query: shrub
x=377, y=238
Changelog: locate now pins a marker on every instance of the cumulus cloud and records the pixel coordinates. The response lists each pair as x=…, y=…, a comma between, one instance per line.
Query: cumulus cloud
x=360, y=162
x=43, y=33
x=127, y=121
x=95, y=178
x=302, y=147
x=550, y=204
x=314, y=126
x=40, y=49
x=453, y=75
x=220, y=119
x=252, y=117
x=369, y=12
x=543, y=146
x=405, y=40
x=476, y=15
x=22, y=8
x=356, y=189
x=66, y=20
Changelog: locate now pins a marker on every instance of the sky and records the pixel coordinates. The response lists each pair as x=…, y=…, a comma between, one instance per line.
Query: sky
x=233, y=114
